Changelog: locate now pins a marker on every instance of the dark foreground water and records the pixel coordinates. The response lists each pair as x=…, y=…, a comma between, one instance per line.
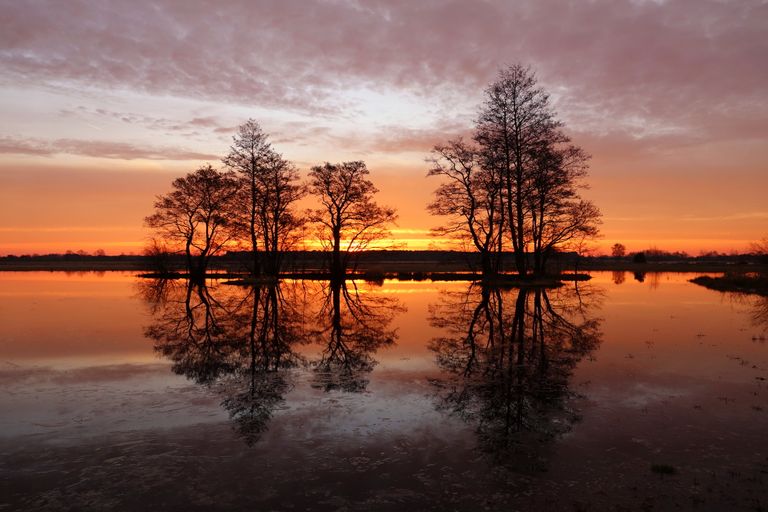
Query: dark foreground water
x=627, y=392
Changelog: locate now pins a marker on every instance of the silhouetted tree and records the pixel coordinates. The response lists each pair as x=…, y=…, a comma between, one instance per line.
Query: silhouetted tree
x=279, y=225
x=159, y=256
x=559, y=218
x=538, y=168
x=269, y=190
x=618, y=250
x=349, y=219
x=514, y=120
x=248, y=155
x=760, y=249
x=471, y=196
x=195, y=216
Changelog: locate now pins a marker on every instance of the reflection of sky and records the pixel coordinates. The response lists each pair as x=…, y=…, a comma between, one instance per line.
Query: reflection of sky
x=675, y=380
x=74, y=357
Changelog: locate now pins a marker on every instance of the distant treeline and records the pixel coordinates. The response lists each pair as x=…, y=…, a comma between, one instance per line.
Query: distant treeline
x=306, y=261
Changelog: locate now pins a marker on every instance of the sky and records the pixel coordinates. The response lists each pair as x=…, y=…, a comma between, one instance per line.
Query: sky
x=102, y=104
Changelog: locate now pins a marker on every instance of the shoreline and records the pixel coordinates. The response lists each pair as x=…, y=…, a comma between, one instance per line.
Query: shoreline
x=381, y=267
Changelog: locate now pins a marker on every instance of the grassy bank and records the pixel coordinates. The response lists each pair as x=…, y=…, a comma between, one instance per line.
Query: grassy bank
x=737, y=283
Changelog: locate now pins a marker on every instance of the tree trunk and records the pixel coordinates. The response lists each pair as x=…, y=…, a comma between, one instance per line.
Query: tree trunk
x=538, y=262
x=487, y=264
x=337, y=268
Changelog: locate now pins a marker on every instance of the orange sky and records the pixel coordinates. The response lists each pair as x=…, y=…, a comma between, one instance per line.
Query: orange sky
x=103, y=106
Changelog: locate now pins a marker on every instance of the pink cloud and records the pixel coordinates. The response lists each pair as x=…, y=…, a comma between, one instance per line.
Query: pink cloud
x=689, y=64
x=98, y=149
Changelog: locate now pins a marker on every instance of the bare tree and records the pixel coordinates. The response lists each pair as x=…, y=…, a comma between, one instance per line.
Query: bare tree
x=195, y=216
x=760, y=247
x=349, y=218
x=471, y=197
x=559, y=218
x=618, y=250
x=158, y=255
x=269, y=190
x=521, y=181
x=278, y=223
x=515, y=120
x=248, y=156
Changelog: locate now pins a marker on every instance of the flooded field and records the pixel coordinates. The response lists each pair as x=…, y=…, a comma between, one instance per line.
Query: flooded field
x=626, y=392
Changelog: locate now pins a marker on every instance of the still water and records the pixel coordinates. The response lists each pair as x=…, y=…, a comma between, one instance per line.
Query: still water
x=626, y=392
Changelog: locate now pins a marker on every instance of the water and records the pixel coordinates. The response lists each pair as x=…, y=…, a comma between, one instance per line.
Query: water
x=624, y=392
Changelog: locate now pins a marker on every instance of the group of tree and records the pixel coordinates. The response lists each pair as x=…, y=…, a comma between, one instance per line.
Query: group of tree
x=252, y=203
x=516, y=183
x=515, y=186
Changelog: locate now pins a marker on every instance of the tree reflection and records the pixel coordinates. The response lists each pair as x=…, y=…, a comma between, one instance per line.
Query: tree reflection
x=242, y=342
x=759, y=313
x=507, y=357
x=350, y=326
x=236, y=341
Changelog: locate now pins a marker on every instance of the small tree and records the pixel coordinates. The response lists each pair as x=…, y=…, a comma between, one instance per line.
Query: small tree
x=760, y=247
x=195, y=215
x=349, y=219
x=618, y=251
x=158, y=256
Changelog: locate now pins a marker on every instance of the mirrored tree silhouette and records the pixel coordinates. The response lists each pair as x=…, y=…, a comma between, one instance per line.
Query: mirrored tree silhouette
x=507, y=357
x=351, y=326
x=238, y=342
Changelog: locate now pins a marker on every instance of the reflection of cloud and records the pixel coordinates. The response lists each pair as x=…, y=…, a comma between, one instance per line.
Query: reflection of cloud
x=108, y=373
x=98, y=149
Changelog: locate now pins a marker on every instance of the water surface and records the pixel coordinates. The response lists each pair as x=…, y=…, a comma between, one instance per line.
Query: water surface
x=638, y=392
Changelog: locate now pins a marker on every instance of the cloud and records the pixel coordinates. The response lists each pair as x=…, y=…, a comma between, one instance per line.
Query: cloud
x=649, y=68
x=97, y=149
x=208, y=124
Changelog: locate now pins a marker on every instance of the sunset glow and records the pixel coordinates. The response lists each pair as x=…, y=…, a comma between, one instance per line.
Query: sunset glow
x=103, y=104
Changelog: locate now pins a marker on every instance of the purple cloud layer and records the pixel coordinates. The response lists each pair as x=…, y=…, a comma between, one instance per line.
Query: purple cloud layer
x=97, y=149
x=693, y=69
